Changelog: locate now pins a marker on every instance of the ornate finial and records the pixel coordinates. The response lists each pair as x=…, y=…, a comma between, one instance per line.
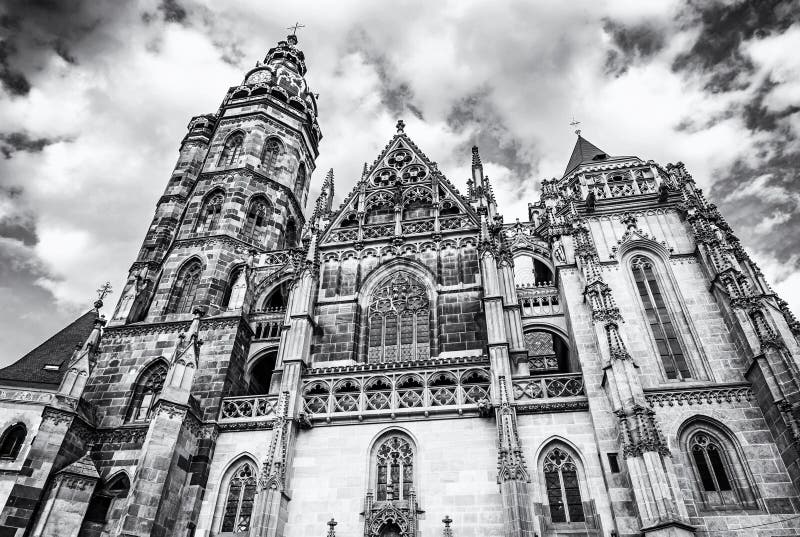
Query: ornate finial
x=103, y=292
x=364, y=171
x=448, y=532
x=401, y=126
x=574, y=123
x=476, y=157
x=332, y=525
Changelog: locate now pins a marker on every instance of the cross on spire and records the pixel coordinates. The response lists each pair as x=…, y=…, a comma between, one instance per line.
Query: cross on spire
x=574, y=123
x=104, y=291
x=295, y=27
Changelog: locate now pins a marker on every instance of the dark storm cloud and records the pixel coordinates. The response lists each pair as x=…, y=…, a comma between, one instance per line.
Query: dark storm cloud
x=13, y=81
x=20, y=141
x=723, y=27
x=476, y=112
x=631, y=43
x=172, y=11
x=18, y=223
x=396, y=94
x=758, y=117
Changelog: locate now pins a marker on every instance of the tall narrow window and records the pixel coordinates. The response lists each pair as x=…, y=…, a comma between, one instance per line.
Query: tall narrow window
x=211, y=213
x=300, y=182
x=658, y=317
x=711, y=469
x=237, y=288
x=239, y=501
x=269, y=157
x=255, y=224
x=12, y=440
x=399, y=320
x=561, y=483
x=105, y=497
x=185, y=289
x=232, y=150
x=146, y=391
x=395, y=470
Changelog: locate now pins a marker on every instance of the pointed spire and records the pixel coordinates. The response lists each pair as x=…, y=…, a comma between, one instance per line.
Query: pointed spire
x=584, y=152
x=476, y=157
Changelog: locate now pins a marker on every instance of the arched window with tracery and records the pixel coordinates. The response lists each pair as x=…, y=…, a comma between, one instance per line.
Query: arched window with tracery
x=12, y=440
x=721, y=477
x=185, y=289
x=658, y=317
x=255, y=223
x=210, y=213
x=239, y=499
x=146, y=390
x=562, y=486
x=394, y=460
x=399, y=320
x=232, y=150
x=269, y=157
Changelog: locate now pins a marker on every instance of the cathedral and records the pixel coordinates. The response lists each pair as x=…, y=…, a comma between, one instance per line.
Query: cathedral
x=410, y=364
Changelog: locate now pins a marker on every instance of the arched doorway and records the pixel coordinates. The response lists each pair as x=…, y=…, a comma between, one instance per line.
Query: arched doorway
x=390, y=530
x=261, y=372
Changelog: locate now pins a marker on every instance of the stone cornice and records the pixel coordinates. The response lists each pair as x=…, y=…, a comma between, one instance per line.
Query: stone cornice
x=699, y=395
x=545, y=406
x=170, y=326
x=393, y=366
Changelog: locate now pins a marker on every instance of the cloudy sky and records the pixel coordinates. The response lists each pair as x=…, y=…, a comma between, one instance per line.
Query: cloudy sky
x=95, y=97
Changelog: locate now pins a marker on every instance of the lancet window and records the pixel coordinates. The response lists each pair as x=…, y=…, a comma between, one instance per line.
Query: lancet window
x=562, y=487
x=269, y=157
x=211, y=213
x=300, y=182
x=255, y=224
x=185, y=289
x=12, y=440
x=105, y=497
x=147, y=388
x=394, y=469
x=238, y=507
x=399, y=320
x=232, y=150
x=659, y=318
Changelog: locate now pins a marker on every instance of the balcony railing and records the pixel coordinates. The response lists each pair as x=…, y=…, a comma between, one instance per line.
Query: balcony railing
x=421, y=392
x=548, y=387
x=248, y=408
x=538, y=301
x=268, y=324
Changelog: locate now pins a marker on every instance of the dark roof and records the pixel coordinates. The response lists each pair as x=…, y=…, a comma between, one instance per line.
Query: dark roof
x=29, y=370
x=583, y=152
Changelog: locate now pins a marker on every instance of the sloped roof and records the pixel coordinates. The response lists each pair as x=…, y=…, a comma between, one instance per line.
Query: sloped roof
x=84, y=467
x=583, y=152
x=29, y=370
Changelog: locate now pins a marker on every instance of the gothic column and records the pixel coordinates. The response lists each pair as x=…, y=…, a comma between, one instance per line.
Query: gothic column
x=68, y=499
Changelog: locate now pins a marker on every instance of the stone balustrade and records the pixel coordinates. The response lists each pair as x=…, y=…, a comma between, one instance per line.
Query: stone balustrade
x=539, y=300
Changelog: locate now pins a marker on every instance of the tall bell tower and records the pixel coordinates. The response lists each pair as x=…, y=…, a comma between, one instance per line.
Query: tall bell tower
x=239, y=187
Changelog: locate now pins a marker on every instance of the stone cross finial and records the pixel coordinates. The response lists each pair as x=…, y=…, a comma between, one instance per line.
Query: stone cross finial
x=401, y=126
x=331, y=527
x=102, y=292
x=574, y=123
x=295, y=27
x=448, y=531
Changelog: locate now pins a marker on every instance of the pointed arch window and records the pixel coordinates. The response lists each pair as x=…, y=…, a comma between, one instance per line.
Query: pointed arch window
x=185, y=290
x=562, y=487
x=237, y=287
x=147, y=389
x=394, y=461
x=105, y=499
x=232, y=150
x=12, y=440
x=269, y=157
x=300, y=182
x=658, y=317
x=211, y=213
x=399, y=320
x=255, y=224
x=241, y=493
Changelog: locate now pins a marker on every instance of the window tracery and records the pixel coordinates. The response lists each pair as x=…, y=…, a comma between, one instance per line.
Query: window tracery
x=147, y=389
x=395, y=469
x=269, y=156
x=562, y=487
x=211, y=213
x=185, y=290
x=232, y=150
x=255, y=224
x=238, y=509
x=658, y=317
x=399, y=320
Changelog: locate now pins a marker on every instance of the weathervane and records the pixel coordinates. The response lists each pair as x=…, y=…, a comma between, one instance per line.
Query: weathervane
x=574, y=123
x=295, y=27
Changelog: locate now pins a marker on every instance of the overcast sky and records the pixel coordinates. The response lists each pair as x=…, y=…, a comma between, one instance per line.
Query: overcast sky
x=95, y=97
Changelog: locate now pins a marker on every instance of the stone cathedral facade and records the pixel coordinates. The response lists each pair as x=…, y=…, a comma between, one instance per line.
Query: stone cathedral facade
x=409, y=364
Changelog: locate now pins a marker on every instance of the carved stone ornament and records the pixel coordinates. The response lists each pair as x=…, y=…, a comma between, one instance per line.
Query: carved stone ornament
x=57, y=416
